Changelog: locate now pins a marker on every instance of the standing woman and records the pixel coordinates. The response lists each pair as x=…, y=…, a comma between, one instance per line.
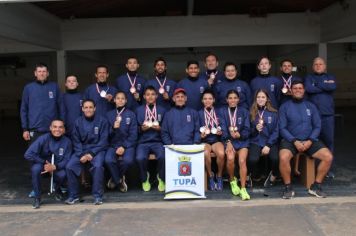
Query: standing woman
x=235, y=125
x=210, y=133
x=264, y=80
x=264, y=135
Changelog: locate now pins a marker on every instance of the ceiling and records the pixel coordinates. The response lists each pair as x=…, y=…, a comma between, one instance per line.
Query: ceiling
x=72, y=9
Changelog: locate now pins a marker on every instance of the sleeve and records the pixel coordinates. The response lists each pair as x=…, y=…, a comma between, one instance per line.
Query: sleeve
x=311, y=85
x=196, y=128
x=132, y=138
x=283, y=125
x=328, y=86
x=316, y=122
x=60, y=104
x=104, y=138
x=165, y=130
x=245, y=132
x=77, y=145
x=68, y=153
x=33, y=152
x=24, y=109
x=273, y=138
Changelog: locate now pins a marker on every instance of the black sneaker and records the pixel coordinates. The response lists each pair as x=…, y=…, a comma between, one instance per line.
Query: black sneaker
x=330, y=175
x=71, y=201
x=269, y=182
x=36, y=203
x=249, y=183
x=288, y=192
x=59, y=196
x=315, y=190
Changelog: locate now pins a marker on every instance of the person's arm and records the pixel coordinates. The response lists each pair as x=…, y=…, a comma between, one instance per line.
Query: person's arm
x=24, y=109
x=103, y=139
x=66, y=156
x=311, y=85
x=283, y=125
x=130, y=141
x=328, y=83
x=316, y=122
x=196, y=127
x=245, y=131
x=273, y=137
x=165, y=134
x=33, y=153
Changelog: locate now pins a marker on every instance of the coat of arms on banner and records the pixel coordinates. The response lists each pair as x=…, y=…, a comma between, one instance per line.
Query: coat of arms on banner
x=184, y=166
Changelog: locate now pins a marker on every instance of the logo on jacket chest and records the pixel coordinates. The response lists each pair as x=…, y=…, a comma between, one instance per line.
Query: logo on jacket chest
x=50, y=94
x=269, y=119
x=96, y=130
x=238, y=88
x=168, y=88
x=189, y=118
x=308, y=112
x=272, y=87
x=128, y=120
x=61, y=151
x=201, y=89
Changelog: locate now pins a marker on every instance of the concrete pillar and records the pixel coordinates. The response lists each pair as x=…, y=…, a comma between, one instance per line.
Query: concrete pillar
x=61, y=68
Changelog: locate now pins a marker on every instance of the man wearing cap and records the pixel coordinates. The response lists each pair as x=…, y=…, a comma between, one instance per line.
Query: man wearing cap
x=181, y=123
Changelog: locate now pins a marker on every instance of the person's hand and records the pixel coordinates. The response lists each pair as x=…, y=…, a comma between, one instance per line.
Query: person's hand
x=235, y=134
x=165, y=96
x=108, y=97
x=117, y=123
x=210, y=81
x=203, y=135
x=156, y=127
x=89, y=157
x=48, y=168
x=265, y=150
x=120, y=151
x=299, y=146
x=83, y=159
x=307, y=144
x=219, y=132
x=136, y=96
x=26, y=135
x=144, y=127
x=259, y=127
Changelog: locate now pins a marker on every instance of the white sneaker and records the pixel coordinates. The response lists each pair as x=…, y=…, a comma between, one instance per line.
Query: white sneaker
x=123, y=185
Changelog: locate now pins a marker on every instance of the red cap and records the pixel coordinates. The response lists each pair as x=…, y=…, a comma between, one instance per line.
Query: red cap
x=179, y=90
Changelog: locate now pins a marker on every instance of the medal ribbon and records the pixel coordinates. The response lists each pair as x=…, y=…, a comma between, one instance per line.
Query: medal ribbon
x=161, y=85
x=98, y=89
x=119, y=113
x=261, y=114
x=151, y=115
x=232, y=117
x=287, y=82
x=211, y=118
x=132, y=83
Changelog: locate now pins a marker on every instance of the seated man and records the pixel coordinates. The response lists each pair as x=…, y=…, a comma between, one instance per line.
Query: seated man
x=180, y=123
x=300, y=123
x=40, y=155
x=149, y=117
x=90, y=140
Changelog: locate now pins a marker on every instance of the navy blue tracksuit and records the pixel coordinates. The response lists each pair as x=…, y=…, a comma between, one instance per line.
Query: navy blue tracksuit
x=125, y=136
x=238, y=85
x=271, y=84
x=102, y=105
x=219, y=76
x=194, y=87
x=210, y=138
x=41, y=103
x=180, y=126
x=41, y=151
x=299, y=120
x=73, y=109
x=90, y=136
x=123, y=84
x=150, y=141
x=267, y=137
x=169, y=87
x=242, y=123
x=321, y=94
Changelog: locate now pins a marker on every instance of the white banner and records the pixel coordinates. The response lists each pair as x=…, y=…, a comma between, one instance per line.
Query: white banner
x=184, y=171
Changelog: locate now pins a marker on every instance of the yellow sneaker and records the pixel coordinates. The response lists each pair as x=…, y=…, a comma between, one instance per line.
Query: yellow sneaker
x=244, y=194
x=161, y=184
x=146, y=186
x=234, y=187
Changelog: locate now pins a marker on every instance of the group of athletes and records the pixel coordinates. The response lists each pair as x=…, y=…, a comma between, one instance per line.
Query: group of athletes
x=114, y=126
